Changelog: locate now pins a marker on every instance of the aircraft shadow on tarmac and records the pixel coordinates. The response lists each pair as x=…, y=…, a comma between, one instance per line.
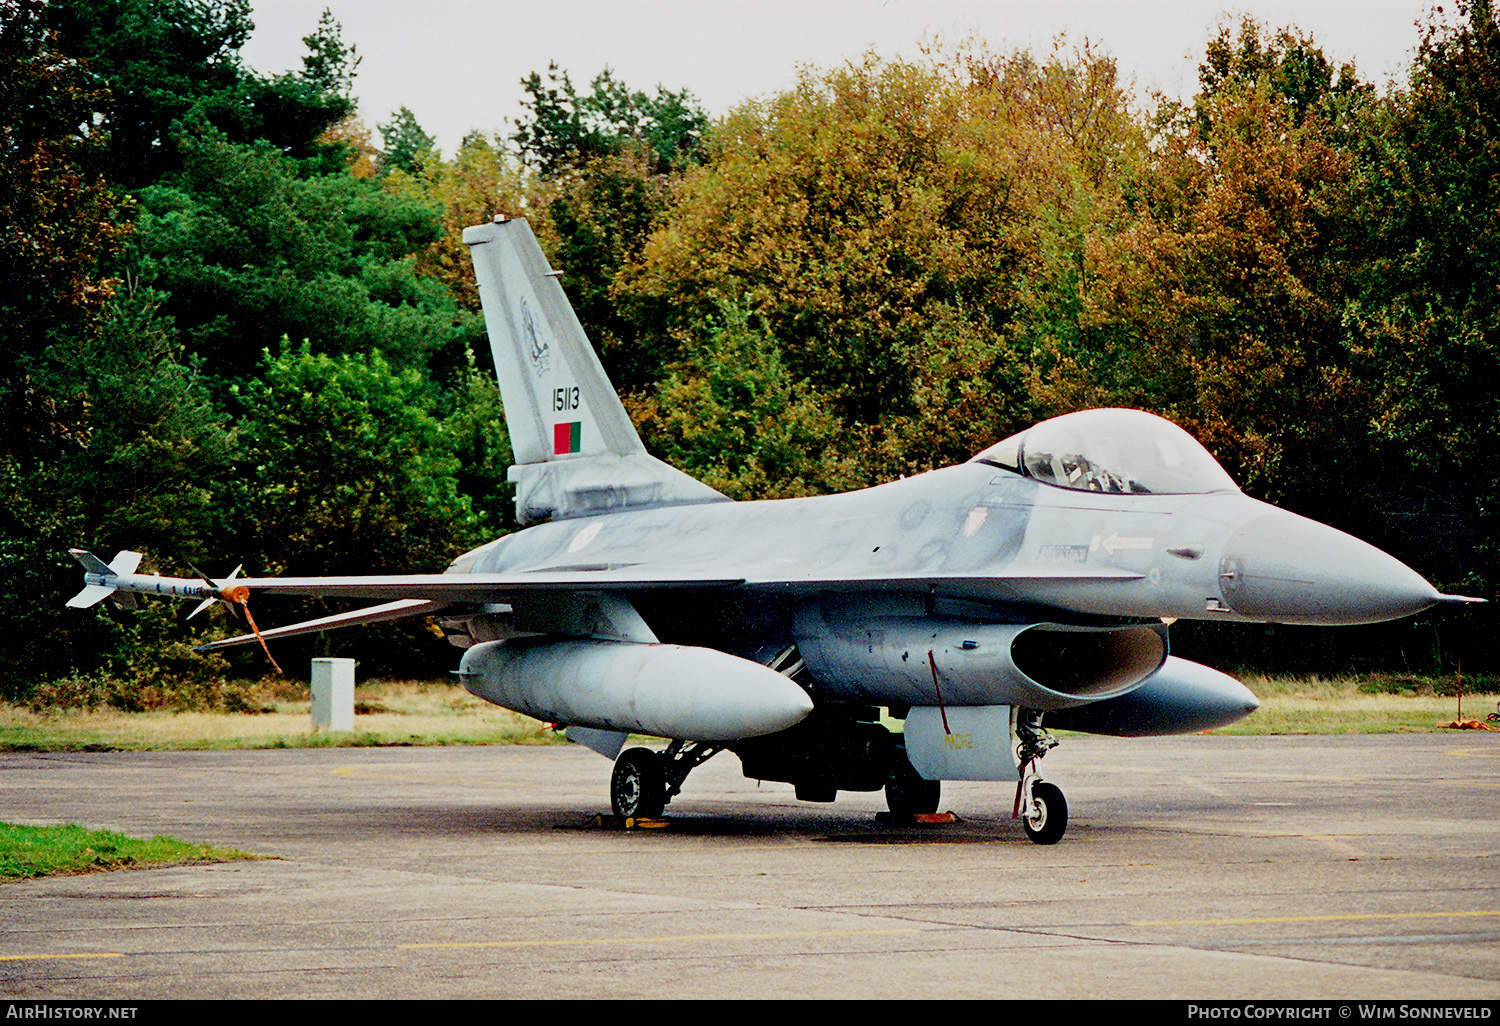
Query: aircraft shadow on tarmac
x=775, y=821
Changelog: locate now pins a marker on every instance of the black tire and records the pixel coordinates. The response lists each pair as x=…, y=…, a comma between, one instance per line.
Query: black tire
x=638, y=787
x=1047, y=819
x=907, y=793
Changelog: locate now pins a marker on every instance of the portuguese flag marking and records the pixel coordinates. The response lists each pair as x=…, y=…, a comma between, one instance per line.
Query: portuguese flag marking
x=567, y=438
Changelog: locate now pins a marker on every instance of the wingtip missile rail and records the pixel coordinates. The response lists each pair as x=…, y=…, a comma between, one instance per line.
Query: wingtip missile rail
x=118, y=578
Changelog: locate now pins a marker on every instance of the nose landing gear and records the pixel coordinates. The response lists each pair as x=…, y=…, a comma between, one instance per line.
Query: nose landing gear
x=1040, y=806
x=1044, y=812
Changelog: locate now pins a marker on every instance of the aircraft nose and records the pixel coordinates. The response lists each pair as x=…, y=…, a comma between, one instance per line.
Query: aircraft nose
x=1283, y=568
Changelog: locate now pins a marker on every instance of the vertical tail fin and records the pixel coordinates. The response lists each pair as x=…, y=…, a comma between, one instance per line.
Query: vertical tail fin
x=576, y=451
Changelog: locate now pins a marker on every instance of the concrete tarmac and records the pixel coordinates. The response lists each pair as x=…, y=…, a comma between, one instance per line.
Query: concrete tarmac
x=1312, y=868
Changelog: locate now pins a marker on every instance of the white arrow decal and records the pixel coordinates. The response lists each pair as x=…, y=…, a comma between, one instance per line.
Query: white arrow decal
x=1114, y=543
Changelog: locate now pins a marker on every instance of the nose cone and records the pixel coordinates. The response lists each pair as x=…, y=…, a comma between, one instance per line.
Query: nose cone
x=1282, y=568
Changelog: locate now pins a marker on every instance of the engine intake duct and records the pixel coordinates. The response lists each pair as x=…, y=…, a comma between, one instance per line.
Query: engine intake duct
x=1088, y=663
x=930, y=660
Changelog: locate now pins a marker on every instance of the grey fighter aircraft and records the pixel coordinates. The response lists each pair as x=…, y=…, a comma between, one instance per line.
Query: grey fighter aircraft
x=1034, y=582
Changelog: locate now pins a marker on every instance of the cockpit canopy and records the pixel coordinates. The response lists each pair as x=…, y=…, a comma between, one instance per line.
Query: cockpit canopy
x=1122, y=451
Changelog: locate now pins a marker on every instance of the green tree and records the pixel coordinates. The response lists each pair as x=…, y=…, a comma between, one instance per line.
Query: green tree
x=329, y=65
x=565, y=128
x=480, y=182
x=607, y=161
x=407, y=147
x=345, y=467
x=59, y=221
x=475, y=425
x=905, y=233
x=59, y=226
x=130, y=454
x=1425, y=227
x=736, y=420
x=596, y=221
x=251, y=252
x=1288, y=62
x=166, y=61
x=1220, y=307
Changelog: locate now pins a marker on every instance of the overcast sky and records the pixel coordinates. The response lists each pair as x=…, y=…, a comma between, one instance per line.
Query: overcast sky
x=458, y=63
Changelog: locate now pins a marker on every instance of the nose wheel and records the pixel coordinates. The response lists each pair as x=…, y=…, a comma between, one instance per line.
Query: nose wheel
x=1044, y=813
x=1040, y=806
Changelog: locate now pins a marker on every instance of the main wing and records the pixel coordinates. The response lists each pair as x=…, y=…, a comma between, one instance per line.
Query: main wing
x=429, y=594
x=412, y=595
x=405, y=595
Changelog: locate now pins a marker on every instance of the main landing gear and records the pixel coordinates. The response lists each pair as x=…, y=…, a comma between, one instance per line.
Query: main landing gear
x=645, y=781
x=638, y=788
x=907, y=793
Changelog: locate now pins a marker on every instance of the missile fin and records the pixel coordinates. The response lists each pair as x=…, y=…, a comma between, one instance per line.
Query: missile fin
x=92, y=563
x=125, y=562
x=89, y=596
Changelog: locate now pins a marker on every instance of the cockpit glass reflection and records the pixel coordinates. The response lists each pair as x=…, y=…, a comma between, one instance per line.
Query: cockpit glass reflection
x=1126, y=452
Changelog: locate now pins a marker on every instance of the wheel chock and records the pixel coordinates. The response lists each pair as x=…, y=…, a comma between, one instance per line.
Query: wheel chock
x=917, y=818
x=611, y=822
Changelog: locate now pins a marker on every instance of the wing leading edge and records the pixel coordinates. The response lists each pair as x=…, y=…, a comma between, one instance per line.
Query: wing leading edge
x=428, y=594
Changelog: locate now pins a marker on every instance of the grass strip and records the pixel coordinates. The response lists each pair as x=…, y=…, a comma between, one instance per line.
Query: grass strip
x=31, y=851
x=401, y=713
x=387, y=714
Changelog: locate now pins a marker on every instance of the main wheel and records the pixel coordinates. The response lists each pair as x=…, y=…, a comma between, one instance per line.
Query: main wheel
x=638, y=787
x=908, y=793
x=1047, y=818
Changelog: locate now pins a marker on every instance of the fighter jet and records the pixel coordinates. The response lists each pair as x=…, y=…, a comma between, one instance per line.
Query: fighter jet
x=1033, y=584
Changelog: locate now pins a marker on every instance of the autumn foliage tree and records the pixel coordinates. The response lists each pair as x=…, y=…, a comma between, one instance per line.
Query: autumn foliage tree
x=232, y=325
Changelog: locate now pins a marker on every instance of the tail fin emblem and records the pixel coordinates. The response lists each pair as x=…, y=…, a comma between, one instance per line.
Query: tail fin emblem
x=539, y=351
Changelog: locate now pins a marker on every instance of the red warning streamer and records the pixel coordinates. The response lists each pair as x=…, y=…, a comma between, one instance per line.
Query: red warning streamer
x=932, y=662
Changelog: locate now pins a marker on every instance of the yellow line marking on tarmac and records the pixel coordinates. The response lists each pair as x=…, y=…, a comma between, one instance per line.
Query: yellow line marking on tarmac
x=1318, y=919
x=1321, y=779
x=1465, y=783
x=653, y=940
x=38, y=956
x=391, y=774
x=1337, y=846
x=1217, y=792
